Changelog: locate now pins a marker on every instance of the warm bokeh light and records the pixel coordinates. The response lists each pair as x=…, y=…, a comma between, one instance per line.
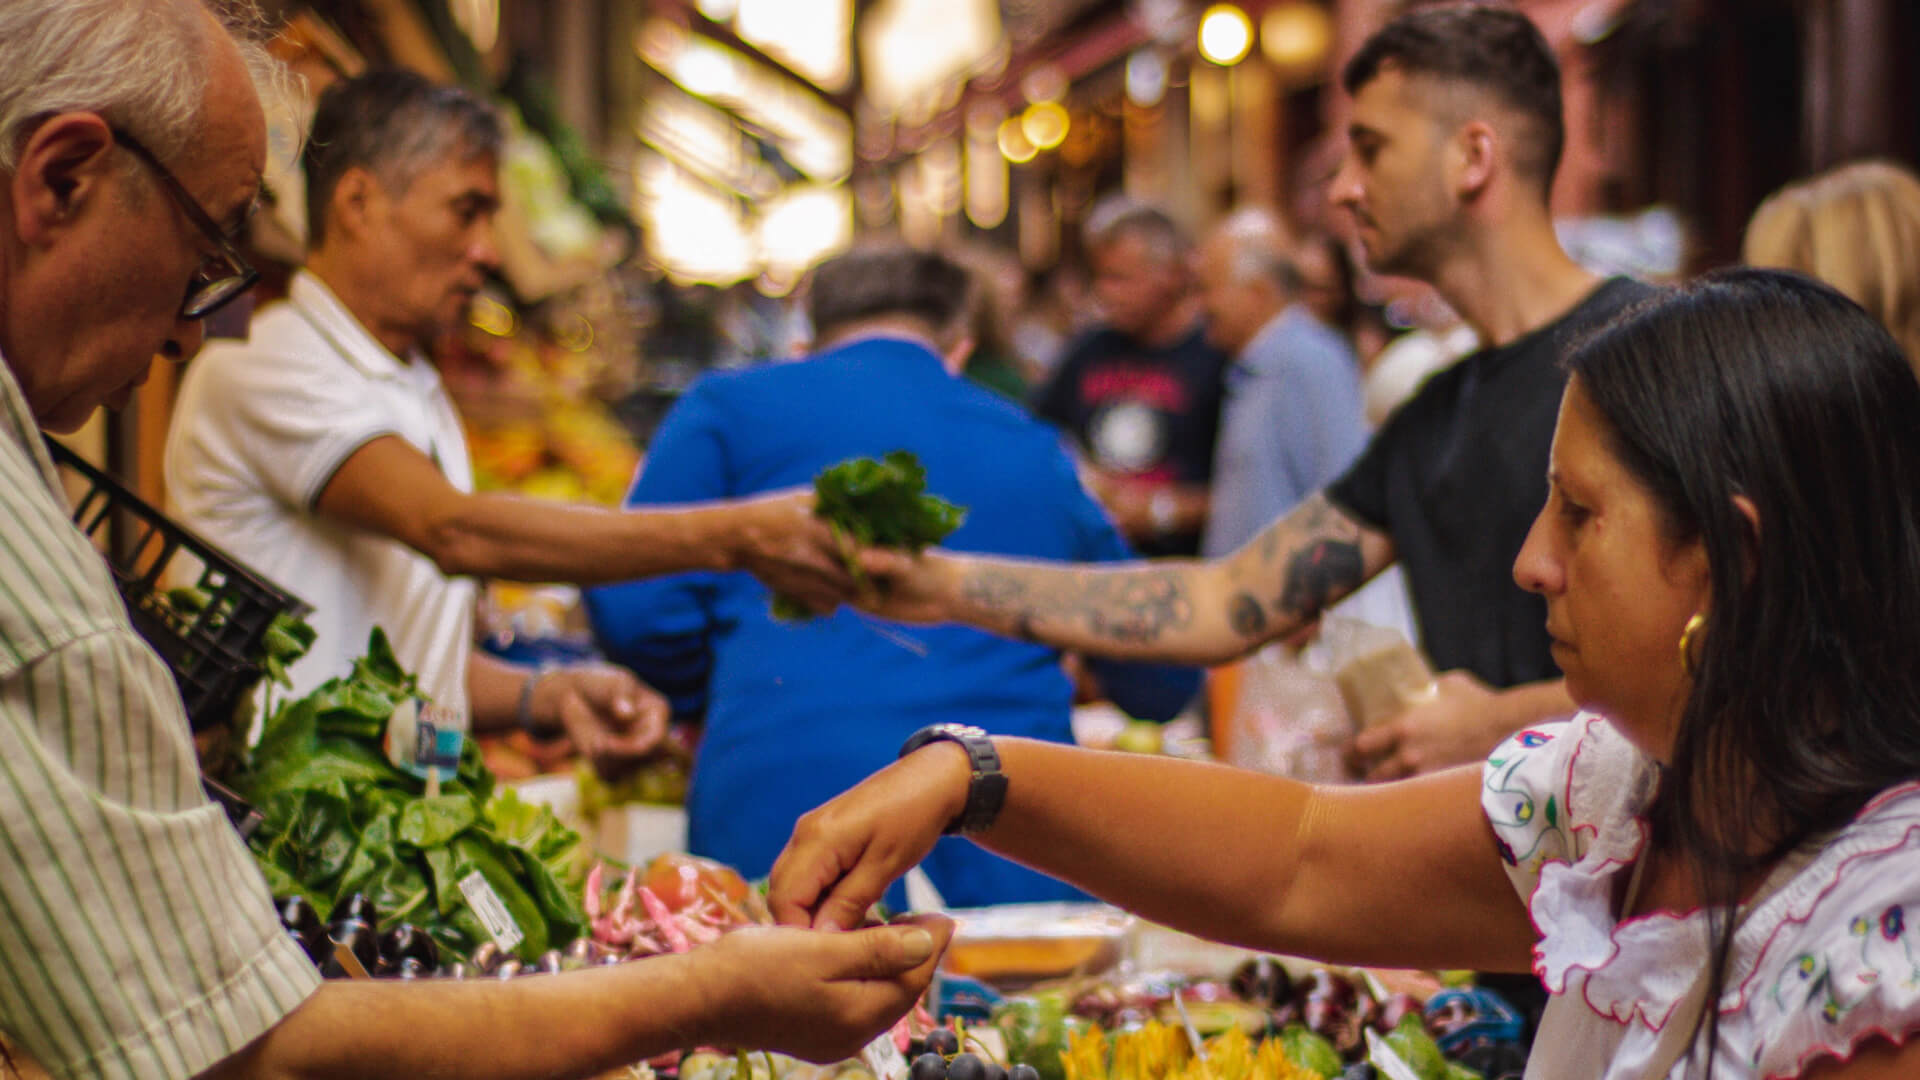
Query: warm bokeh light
x=804, y=226
x=1044, y=124
x=1296, y=35
x=1225, y=34
x=1014, y=142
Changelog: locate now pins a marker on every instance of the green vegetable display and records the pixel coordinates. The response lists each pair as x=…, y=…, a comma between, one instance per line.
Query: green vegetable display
x=341, y=819
x=878, y=503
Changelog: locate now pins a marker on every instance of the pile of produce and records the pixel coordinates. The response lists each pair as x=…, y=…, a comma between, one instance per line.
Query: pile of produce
x=1264, y=1020
x=341, y=820
x=878, y=504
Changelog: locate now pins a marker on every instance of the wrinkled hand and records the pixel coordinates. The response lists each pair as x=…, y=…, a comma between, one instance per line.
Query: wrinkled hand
x=844, y=854
x=817, y=996
x=612, y=718
x=779, y=540
x=1461, y=723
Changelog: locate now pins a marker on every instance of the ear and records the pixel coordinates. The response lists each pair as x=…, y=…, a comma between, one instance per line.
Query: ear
x=355, y=197
x=1474, y=147
x=65, y=165
x=955, y=356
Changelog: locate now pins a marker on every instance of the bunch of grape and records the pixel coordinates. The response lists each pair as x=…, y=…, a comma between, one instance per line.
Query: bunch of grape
x=938, y=1057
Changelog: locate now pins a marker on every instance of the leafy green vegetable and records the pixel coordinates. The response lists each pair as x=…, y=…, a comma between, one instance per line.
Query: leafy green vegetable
x=878, y=504
x=341, y=819
x=1310, y=1050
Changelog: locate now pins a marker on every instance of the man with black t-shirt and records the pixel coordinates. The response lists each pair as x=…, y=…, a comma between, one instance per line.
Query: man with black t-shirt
x=1455, y=134
x=1140, y=395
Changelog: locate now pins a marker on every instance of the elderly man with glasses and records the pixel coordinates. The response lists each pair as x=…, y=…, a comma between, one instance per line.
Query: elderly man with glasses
x=137, y=939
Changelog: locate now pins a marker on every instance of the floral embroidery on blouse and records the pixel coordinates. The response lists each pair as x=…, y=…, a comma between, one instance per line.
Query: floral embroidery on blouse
x=1825, y=962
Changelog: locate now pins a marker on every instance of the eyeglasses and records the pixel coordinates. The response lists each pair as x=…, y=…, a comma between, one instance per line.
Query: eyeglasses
x=221, y=277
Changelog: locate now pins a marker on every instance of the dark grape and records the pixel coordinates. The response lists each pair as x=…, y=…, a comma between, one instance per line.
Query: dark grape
x=1360, y=1071
x=995, y=1072
x=356, y=906
x=966, y=1067
x=298, y=915
x=1023, y=1071
x=928, y=1066
x=942, y=1041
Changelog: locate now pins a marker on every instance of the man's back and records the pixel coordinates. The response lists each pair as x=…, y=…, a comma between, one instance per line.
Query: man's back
x=796, y=712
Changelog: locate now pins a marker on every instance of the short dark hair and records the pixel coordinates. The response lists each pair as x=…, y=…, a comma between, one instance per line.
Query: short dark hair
x=888, y=281
x=1773, y=387
x=393, y=123
x=1488, y=47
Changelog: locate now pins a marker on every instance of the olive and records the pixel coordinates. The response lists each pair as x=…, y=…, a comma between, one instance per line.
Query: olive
x=411, y=968
x=928, y=1066
x=1394, y=1008
x=297, y=914
x=408, y=941
x=1023, y=1071
x=942, y=1041
x=356, y=906
x=550, y=962
x=610, y=958
x=1263, y=981
x=485, y=958
x=456, y=970
x=359, y=939
x=508, y=968
x=966, y=1067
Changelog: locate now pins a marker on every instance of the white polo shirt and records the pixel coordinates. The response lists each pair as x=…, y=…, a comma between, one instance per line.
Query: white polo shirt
x=260, y=428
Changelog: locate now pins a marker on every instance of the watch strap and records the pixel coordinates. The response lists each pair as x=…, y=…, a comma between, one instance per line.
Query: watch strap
x=986, y=784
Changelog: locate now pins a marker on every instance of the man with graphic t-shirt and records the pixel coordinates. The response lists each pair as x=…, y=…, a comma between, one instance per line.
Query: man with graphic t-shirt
x=1455, y=133
x=1140, y=395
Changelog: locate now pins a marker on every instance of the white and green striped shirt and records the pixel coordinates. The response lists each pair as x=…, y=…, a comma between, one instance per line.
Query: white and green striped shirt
x=137, y=939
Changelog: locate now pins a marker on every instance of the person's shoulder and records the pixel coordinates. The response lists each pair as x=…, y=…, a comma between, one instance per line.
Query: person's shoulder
x=1825, y=962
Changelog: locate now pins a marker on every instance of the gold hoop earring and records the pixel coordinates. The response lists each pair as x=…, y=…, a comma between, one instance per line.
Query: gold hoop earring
x=1687, y=635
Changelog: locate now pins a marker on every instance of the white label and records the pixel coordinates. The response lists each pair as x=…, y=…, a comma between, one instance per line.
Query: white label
x=883, y=1059
x=491, y=912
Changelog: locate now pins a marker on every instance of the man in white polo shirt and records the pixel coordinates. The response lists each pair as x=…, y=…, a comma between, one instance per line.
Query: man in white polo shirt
x=325, y=453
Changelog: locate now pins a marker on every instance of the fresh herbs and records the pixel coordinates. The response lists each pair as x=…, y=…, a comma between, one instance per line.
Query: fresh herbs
x=877, y=504
x=341, y=819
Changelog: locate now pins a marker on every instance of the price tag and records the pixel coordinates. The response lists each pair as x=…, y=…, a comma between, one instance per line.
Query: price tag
x=425, y=739
x=490, y=911
x=883, y=1059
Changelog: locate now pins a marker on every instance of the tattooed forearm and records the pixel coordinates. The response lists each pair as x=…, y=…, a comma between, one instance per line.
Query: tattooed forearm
x=1083, y=608
x=1320, y=573
x=1249, y=618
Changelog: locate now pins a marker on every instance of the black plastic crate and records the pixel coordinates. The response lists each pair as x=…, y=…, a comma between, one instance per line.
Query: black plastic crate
x=210, y=651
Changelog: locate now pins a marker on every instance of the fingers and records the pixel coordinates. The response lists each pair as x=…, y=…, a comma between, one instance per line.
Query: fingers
x=888, y=952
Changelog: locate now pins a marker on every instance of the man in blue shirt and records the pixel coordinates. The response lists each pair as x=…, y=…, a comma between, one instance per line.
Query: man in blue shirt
x=797, y=712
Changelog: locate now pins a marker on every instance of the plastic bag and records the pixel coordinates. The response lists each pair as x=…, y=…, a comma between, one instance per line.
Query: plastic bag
x=1289, y=719
x=1378, y=671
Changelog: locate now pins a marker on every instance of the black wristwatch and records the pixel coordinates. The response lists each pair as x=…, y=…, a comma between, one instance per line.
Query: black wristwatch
x=986, y=789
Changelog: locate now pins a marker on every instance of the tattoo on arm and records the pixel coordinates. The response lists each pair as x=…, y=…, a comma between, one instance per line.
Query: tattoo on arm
x=1320, y=572
x=1137, y=607
x=1249, y=618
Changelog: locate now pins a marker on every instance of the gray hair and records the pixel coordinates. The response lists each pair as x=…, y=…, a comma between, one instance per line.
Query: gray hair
x=394, y=123
x=1118, y=216
x=1258, y=248
x=140, y=65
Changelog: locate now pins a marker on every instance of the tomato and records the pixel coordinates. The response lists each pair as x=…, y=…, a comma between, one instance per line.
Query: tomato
x=680, y=880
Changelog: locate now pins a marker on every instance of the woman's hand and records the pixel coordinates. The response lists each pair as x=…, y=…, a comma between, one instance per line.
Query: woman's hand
x=844, y=854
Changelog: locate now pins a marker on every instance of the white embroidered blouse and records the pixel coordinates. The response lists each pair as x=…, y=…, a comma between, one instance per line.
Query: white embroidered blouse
x=1819, y=965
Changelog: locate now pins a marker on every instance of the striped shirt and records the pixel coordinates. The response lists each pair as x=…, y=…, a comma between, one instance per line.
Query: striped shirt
x=137, y=938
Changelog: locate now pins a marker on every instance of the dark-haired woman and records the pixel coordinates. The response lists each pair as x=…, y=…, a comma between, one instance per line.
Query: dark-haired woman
x=1730, y=554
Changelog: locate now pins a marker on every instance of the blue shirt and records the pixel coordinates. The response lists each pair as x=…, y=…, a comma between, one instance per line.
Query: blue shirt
x=796, y=713
x=1292, y=420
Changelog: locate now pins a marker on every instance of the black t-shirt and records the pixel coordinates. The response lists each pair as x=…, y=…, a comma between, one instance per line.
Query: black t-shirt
x=1456, y=477
x=1144, y=412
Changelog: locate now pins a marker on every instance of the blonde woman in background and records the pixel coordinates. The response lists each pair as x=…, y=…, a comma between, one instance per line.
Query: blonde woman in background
x=1856, y=227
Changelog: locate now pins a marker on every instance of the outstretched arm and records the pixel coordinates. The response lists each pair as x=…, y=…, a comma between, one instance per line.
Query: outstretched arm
x=1399, y=874
x=1179, y=611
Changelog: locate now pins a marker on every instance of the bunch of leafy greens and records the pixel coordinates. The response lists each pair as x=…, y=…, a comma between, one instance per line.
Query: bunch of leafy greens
x=877, y=504
x=341, y=819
